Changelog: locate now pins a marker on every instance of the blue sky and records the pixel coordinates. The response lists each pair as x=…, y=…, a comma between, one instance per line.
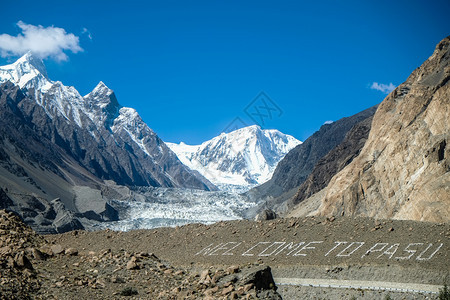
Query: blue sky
x=192, y=67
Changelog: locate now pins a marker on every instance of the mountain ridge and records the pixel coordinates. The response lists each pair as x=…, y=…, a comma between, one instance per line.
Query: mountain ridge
x=98, y=115
x=59, y=151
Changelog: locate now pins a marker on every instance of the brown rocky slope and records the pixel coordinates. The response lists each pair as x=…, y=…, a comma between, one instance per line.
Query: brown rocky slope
x=403, y=171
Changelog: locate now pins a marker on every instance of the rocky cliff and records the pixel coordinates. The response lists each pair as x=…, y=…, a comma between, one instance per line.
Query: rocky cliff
x=337, y=159
x=403, y=170
x=295, y=168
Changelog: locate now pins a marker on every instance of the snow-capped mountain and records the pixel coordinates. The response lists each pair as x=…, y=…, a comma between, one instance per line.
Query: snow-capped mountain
x=110, y=141
x=238, y=160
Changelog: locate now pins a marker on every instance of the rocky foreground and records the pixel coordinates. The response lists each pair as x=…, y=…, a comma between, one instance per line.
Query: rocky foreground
x=226, y=260
x=33, y=267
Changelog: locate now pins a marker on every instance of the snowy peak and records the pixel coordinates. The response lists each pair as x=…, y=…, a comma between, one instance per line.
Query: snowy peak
x=102, y=104
x=237, y=160
x=27, y=72
x=33, y=60
x=129, y=119
x=100, y=92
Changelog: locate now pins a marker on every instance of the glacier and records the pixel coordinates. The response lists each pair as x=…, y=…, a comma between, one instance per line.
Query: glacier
x=148, y=208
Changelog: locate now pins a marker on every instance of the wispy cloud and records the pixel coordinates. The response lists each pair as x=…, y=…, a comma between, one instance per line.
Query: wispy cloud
x=385, y=88
x=87, y=32
x=328, y=122
x=45, y=42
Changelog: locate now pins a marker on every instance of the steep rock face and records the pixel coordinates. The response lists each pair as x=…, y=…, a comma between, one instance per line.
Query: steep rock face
x=33, y=170
x=338, y=158
x=298, y=164
x=403, y=171
x=237, y=160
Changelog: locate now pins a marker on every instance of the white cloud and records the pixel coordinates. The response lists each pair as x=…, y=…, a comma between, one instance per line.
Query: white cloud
x=385, y=88
x=328, y=122
x=45, y=42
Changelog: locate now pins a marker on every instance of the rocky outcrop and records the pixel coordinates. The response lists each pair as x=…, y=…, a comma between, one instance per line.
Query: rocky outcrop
x=403, y=171
x=5, y=201
x=19, y=244
x=64, y=220
x=265, y=215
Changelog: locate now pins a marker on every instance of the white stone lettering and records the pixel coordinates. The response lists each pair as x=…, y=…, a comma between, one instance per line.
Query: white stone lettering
x=247, y=253
x=207, y=249
x=306, y=247
x=291, y=247
x=431, y=255
x=341, y=254
x=223, y=246
x=410, y=251
x=340, y=249
x=228, y=252
x=337, y=245
x=390, y=251
x=280, y=244
x=374, y=248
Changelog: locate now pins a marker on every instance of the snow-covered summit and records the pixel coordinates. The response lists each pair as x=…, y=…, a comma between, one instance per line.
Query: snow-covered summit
x=237, y=160
x=99, y=106
x=36, y=62
x=100, y=91
x=27, y=72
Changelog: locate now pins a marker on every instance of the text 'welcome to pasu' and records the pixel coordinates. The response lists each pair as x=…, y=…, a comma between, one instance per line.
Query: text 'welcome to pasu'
x=340, y=249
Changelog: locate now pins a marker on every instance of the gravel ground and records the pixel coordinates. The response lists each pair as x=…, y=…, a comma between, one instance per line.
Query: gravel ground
x=337, y=249
x=226, y=260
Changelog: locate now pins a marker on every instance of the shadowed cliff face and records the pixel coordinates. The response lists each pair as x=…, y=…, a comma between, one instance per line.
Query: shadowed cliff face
x=337, y=159
x=403, y=171
x=295, y=168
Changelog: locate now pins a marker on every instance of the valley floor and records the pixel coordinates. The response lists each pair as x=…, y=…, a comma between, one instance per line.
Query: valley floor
x=310, y=258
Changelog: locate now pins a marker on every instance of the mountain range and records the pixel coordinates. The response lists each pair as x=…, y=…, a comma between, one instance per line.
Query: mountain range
x=64, y=157
x=58, y=145
x=68, y=161
x=110, y=141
